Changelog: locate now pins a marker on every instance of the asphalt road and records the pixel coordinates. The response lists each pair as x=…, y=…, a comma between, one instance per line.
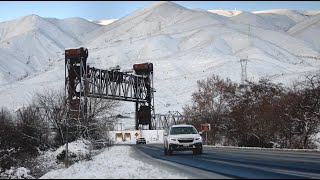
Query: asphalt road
x=240, y=163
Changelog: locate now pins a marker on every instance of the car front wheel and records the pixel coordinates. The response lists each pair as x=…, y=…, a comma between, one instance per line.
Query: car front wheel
x=197, y=150
x=169, y=151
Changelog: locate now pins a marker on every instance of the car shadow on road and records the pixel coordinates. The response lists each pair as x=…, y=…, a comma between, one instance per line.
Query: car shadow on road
x=185, y=154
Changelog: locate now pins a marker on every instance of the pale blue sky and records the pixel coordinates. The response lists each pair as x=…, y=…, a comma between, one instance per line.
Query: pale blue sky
x=95, y=10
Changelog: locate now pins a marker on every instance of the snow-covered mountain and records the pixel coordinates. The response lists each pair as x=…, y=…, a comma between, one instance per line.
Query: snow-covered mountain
x=185, y=45
x=32, y=44
x=105, y=22
x=294, y=15
x=228, y=13
x=307, y=31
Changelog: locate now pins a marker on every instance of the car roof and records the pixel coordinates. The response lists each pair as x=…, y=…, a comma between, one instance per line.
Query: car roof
x=182, y=125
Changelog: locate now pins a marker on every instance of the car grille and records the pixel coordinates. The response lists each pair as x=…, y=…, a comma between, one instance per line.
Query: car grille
x=185, y=140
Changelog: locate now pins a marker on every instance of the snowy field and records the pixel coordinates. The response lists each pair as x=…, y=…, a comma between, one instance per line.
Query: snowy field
x=113, y=163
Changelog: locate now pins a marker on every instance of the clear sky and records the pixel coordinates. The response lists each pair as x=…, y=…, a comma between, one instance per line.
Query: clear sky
x=97, y=10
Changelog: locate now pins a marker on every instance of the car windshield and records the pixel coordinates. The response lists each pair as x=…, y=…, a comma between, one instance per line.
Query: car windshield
x=183, y=130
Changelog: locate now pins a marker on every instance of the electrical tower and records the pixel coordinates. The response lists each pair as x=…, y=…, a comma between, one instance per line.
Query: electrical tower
x=243, y=70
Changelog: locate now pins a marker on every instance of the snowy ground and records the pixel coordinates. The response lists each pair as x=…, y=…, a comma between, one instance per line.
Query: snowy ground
x=113, y=163
x=117, y=163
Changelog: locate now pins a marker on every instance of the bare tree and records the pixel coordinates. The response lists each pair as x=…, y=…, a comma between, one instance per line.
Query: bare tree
x=258, y=114
x=98, y=113
x=52, y=104
x=32, y=129
x=8, y=137
x=210, y=105
x=99, y=119
x=255, y=113
x=7, y=129
x=306, y=115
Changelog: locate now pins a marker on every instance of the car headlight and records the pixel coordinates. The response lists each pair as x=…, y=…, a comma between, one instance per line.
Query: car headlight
x=198, y=138
x=172, y=139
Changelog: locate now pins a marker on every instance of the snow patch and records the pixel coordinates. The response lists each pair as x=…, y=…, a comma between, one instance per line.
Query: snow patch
x=17, y=173
x=113, y=163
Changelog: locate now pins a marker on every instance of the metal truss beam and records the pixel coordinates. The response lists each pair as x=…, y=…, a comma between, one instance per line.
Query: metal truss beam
x=164, y=121
x=117, y=85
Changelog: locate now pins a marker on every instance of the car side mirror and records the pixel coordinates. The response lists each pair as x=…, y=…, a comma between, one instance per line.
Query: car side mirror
x=200, y=133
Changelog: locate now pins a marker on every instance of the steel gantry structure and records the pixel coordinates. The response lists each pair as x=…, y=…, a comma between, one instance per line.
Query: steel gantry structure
x=83, y=82
x=164, y=121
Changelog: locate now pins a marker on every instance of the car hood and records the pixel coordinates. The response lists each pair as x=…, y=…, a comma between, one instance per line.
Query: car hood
x=178, y=136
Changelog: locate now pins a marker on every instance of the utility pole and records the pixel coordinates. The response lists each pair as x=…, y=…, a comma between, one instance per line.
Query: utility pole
x=67, y=151
x=122, y=131
x=156, y=123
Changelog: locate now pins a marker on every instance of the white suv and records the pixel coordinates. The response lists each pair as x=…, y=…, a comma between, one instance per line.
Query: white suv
x=181, y=138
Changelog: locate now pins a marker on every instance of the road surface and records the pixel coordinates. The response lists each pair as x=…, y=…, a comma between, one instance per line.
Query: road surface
x=236, y=163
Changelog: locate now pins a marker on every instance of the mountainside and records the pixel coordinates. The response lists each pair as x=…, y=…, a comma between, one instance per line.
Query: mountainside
x=75, y=27
x=294, y=15
x=254, y=20
x=307, y=31
x=227, y=13
x=104, y=22
x=32, y=44
x=185, y=45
